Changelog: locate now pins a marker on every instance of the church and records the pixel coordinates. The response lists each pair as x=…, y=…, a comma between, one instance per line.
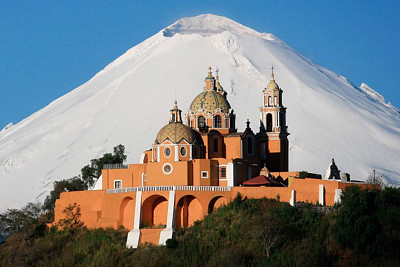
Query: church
x=207, y=150
x=196, y=164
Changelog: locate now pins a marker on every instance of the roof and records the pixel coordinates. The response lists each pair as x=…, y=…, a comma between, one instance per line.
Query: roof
x=261, y=180
x=209, y=101
x=175, y=132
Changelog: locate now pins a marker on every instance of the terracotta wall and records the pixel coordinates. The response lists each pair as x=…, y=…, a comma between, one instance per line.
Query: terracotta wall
x=101, y=209
x=233, y=147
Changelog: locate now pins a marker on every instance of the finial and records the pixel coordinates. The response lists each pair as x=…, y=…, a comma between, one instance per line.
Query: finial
x=272, y=72
x=248, y=123
x=217, y=71
x=209, y=69
x=176, y=103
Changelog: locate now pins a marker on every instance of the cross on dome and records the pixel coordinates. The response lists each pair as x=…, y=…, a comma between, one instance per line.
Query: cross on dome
x=272, y=73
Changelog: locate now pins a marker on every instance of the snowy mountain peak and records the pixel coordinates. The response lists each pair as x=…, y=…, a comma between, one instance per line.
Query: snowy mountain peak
x=209, y=24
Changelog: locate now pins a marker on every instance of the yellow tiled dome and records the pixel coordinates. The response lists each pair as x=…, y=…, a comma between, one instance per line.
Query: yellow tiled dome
x=175, y=132
x=272, y=85
x=209, y=101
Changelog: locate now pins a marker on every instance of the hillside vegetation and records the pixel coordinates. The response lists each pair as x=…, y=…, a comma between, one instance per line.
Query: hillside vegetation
x=247, y=232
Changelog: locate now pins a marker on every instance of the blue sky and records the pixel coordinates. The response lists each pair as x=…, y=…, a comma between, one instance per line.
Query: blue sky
x=48, y=48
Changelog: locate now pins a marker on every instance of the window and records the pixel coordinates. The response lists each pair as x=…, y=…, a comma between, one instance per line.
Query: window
x=204, y=174
x=167, y=168
x=117, y=184
x=215, y=144
x=167, y=151
x=223, y=173
x=173, y=117
x=250, y=145
x=217, y=122
x=183, y=151
x=269, y=101
x=202, y=122
x=275, y=101
x=269, y=122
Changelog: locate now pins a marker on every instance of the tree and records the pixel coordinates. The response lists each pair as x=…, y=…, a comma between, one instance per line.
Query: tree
x=72, y=217
x=368, y=220
x=72, y=184
x=375, y=178
x=91, y=172
x=14, y=220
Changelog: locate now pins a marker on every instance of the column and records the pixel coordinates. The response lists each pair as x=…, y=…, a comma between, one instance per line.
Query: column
x=292, y=197
x=321, y=198
x=134, y=235
x=168, y=232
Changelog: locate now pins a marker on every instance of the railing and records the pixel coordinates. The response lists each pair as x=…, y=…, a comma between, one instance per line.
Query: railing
x=169, y=188
x=115, y=166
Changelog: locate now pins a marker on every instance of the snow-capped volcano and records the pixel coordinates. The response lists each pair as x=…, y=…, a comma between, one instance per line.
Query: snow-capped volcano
x=129, y=101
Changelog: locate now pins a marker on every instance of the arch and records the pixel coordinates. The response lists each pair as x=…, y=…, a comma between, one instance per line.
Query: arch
x=269, y=101
x=188, y=211
x=216, y=203
x=126, y=213
x=155, y=210
x=217, y=121
x=269, y=122
x=201, y=122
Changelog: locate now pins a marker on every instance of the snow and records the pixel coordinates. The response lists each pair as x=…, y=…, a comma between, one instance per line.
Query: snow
x=129, y=101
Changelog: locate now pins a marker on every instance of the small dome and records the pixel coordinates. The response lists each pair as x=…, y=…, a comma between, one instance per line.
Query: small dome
x=175, y=132
x=209, y=101
x=272, y=85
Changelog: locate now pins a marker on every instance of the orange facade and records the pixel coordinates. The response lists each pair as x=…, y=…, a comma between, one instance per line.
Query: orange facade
x=193, y=169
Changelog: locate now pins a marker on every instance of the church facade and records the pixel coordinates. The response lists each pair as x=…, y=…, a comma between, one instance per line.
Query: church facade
x=197, y=163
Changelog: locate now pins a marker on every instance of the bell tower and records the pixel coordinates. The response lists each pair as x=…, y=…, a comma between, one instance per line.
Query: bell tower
x=273, y=127
x=175, y=114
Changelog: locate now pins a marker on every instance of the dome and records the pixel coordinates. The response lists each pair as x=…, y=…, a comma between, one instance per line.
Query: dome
x=209, y=101
x=272, y=85
x=175, y=132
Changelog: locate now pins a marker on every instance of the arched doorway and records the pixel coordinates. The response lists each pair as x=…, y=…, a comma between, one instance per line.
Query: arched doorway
x=216, y=202
x=188, y=210
x=126, y=213
x=155, y=210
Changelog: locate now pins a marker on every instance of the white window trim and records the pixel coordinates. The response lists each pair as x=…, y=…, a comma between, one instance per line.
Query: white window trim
x=167, y=173
x=219, y=173
x=204, y=172
x=117, y=181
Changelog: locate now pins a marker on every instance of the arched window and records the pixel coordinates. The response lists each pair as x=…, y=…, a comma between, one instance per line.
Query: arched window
x=215, y=144
x=269, y=122
x=275, y=101
x=269, y=101
x=217, y=121
x=250, y=146
x=201, y=122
